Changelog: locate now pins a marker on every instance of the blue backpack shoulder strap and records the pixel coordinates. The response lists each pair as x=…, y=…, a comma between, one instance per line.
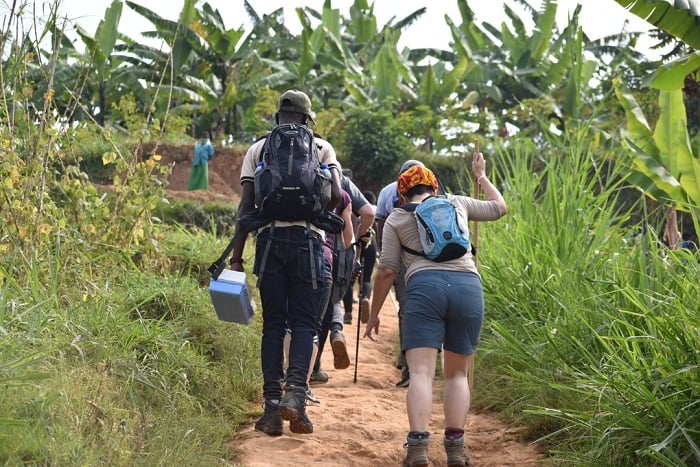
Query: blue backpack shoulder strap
x=410, y=207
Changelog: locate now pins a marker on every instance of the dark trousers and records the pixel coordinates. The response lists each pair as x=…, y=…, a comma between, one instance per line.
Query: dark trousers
x=369, y=258
x=331, y=318
x=289, y=301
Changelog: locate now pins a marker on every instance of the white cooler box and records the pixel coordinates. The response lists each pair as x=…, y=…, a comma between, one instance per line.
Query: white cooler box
x=229, y=294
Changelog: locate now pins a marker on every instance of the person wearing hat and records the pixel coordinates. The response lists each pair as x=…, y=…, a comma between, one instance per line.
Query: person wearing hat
x=290, y=296
x=388, y=200
x=444, y=307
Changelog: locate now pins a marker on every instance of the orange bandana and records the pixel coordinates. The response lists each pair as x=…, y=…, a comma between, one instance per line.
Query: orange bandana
x=416, y=175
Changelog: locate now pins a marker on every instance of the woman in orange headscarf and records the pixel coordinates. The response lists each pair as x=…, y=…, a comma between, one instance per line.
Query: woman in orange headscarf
x=444, y=308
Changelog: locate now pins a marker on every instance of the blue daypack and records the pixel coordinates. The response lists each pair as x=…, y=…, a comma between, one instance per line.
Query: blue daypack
x=444, y=234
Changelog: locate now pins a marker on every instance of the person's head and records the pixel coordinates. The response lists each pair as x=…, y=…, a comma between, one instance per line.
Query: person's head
x=371, y=197
x=347, y=173
x=204, y=135
x=415, y=181
x=294, y=106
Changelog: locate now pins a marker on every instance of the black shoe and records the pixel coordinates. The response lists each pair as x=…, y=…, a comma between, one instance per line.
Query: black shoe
x=405, y=379
x=293, y=408
x=347, y=318
x=270, y=422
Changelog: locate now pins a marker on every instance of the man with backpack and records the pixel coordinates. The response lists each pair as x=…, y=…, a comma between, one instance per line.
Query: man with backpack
x=285, y=195
x=444, y=302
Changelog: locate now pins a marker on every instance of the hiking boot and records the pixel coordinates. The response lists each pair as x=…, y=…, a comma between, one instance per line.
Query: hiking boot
x=340, y=352
x=401, y=361
x=270, y=422
x=405, y=379
x=364, y=310
x=417, y=451
x=455, y=452
x=347, y=318
x=319, y=376
x=293, y=409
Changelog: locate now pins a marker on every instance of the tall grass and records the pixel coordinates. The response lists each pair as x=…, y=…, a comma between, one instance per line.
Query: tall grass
x=593, y=333
x=138, y=372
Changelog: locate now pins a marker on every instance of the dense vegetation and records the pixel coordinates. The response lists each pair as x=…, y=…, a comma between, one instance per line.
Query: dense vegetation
x=110, y=352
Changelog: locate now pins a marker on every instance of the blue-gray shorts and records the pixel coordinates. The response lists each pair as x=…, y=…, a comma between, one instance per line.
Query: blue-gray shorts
x=443, y=308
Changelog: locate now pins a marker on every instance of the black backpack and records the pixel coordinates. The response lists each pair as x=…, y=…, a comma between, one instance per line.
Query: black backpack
x=289, y=182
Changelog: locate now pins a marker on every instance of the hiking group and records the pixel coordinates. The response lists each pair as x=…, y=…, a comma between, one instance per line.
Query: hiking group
x=316, y=234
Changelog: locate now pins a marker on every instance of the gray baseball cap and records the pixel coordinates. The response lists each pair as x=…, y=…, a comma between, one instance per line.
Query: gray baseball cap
x=408, y=164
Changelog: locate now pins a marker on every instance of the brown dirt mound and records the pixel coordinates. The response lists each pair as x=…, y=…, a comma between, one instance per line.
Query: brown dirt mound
x=224, y=173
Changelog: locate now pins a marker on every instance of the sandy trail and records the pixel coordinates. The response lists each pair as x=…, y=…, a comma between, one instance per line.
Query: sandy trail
x=365, y=423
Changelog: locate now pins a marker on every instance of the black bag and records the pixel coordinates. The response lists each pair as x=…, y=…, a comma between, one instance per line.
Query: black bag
x=289, y=182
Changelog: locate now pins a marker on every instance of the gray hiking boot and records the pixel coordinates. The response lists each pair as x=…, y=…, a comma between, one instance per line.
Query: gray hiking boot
x=293, y=408
x=455, y=452
x=417, y=451
x=270, y=422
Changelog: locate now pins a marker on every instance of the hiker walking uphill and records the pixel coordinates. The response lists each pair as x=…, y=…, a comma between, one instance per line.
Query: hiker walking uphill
x=288, y=210
x=444, y=305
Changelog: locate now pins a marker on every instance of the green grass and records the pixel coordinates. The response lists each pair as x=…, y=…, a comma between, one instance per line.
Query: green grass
x=138, y=372
x=592, y=335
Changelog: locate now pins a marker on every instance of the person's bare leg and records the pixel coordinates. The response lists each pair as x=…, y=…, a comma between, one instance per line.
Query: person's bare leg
x=419, y=398
x=457, y=396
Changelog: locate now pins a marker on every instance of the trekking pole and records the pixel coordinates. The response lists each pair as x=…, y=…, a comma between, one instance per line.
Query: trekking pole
x=475, y=229
x=475, y=247
x=359, y=320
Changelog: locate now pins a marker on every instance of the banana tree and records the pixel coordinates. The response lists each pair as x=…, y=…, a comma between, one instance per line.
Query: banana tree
x=514, y=63
x=210, y=71
x=680, y=18
x=667, y=162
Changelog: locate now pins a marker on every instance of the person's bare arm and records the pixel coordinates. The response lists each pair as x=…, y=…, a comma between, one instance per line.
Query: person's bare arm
x=247, y=204
x=491, y=193
x=383, y=281
x=366, y=219
x=347, y=230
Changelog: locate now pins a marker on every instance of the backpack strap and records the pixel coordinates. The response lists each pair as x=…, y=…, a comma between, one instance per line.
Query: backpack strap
x=265, y=253
x=314, y=275
x=265, y=147
x=410, y=207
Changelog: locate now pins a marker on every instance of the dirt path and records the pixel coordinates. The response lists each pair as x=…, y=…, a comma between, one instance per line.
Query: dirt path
x=365, y=423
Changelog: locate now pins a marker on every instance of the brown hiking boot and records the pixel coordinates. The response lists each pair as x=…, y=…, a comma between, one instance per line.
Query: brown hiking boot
x=364, y=310
x=455, y=452
x=341, y=360
x=417, y=451
x=293, y=408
